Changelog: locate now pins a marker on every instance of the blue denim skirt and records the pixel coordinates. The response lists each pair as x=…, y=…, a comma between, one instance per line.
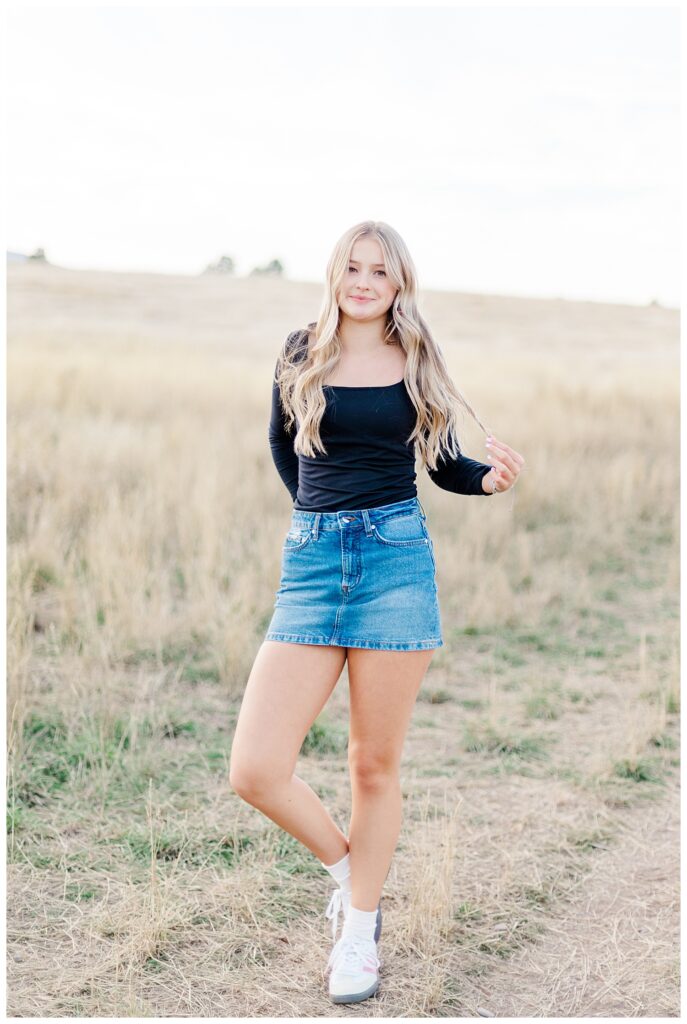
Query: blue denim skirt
x=359, y=578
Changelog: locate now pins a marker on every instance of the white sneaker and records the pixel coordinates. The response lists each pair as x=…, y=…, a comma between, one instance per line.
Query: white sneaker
x=340, y=902
x=353, y=963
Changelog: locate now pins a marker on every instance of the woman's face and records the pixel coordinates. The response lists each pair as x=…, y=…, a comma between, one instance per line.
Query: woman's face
x=366, y=276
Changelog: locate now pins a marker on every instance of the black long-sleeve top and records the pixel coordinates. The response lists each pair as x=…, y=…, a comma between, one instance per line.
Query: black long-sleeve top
x=368, y=462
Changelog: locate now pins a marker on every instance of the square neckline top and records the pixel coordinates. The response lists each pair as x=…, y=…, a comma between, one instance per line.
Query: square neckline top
x=368, y=461
x=363, y=387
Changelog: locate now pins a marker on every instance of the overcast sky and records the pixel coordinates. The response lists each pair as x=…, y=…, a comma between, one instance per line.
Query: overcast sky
x=519, y=151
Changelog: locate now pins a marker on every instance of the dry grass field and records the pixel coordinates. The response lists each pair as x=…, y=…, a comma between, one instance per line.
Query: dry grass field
x=537, y=868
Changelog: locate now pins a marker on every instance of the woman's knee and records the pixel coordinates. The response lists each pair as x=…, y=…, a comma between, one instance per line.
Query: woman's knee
x=254, y=781
x=373, y=770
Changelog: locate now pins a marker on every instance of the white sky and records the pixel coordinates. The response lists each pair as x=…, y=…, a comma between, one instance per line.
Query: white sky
x=519, y=151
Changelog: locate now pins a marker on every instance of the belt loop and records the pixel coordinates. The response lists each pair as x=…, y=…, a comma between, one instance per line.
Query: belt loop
x=366, y=520
x=422, y=511
x=316, y=527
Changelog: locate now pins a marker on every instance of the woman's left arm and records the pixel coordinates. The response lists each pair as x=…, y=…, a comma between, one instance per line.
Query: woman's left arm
x=460, y=475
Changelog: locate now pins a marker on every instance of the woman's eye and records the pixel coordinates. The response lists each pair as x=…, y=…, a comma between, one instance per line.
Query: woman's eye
x=383, y=272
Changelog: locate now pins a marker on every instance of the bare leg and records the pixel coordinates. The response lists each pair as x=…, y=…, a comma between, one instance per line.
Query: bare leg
x=383, y=689
x=288, y=686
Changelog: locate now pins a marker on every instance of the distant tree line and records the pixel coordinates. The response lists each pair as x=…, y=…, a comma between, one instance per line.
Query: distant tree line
x=226, y=265
x=38, y=255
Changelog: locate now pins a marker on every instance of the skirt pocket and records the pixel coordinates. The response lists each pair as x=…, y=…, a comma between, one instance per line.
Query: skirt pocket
x=296, y=539
x=401, y=531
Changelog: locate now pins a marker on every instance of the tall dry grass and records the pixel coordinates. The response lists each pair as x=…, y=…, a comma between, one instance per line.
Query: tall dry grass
x=145, y=521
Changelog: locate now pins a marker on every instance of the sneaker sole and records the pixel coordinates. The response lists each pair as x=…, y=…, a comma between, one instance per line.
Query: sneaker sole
x=356, y=997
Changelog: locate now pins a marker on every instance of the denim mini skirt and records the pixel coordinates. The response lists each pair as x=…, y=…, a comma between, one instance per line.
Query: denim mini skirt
x=359, y=578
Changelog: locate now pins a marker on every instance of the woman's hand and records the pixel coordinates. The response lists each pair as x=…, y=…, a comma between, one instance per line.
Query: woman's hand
x=506, y=466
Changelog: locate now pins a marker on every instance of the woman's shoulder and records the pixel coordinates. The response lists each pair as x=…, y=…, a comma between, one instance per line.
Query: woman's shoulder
x=297, y=344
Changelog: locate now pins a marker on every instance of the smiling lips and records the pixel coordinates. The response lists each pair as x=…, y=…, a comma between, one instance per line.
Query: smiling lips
x=361, y=298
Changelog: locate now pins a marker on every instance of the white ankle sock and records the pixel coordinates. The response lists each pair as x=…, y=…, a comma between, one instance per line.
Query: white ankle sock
x=341, y=871
x=360, y=922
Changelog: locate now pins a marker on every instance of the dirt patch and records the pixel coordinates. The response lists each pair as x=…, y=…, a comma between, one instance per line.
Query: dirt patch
x=613, y=950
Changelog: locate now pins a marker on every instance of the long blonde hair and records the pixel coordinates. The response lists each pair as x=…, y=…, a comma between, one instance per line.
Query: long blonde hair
x=300, y=374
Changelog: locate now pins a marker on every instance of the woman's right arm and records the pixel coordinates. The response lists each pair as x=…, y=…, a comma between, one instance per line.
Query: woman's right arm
x=281, y=443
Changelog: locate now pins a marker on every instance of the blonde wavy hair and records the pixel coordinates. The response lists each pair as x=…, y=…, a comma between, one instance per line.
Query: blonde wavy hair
x=300, y=372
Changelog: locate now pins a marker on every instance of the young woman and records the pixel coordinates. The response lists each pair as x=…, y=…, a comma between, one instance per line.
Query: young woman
x=366, y=387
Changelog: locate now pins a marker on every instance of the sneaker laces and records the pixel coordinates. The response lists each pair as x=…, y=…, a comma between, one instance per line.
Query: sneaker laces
x=351, y=953
x=334, y=908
